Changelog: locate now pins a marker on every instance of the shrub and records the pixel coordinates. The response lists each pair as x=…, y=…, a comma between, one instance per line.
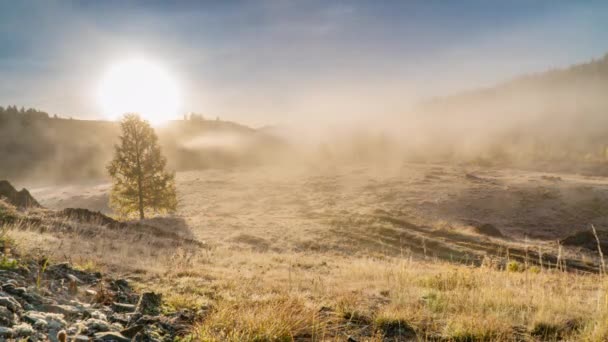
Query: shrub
x=514, y=266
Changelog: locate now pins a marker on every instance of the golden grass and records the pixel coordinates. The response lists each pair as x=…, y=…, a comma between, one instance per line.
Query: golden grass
x=314, y=263
x=277, y=296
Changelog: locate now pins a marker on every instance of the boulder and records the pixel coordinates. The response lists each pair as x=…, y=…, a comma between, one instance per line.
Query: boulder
x=149, y=304
x=111, y=336
x=20, y=199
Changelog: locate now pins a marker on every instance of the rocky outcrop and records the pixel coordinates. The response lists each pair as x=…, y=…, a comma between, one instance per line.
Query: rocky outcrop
x=58, y=303
x=587, y=240
x=20, y=199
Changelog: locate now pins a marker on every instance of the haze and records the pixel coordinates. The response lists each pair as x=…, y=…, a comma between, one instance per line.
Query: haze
x=361, y=171
x=287, y=62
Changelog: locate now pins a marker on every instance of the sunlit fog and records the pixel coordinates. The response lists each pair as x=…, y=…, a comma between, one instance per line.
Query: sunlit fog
x=307, y=171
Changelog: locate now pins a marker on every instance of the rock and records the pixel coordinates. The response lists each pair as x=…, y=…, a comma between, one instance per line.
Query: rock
x=132, y=331
x=115, y=326
x=10, y=303
x=20, y=199
x=35, y=318
x=54, y=312
x=12, y=289
x=7, y=317
x=6, y=332
x=44, y=320
x=488, y=230
x=122, y=307
x=148, y=320
x=23, y=330
x=98, y=315
x=66, y=310
x=35, y=299
x=149, y=304
x=394, y=329
x=121, y=318
x=122, y=283
x=73, y=278
x=586, y=239
x=13, y=281
x=111, y=336
x=96, y=325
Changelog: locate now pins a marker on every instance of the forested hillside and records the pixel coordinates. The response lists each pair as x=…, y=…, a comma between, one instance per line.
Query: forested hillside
x=39, y=148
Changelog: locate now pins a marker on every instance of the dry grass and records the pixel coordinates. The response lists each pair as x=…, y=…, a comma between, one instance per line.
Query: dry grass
x=274, y=296
x=327, y=256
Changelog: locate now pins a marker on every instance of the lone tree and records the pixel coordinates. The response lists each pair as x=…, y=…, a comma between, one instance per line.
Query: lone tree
x=140, y=181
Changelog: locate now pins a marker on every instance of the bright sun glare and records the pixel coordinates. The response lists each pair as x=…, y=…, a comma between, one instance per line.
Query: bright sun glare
x=138, y=86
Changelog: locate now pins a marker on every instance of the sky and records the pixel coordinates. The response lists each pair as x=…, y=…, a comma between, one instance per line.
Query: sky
x=274, y=62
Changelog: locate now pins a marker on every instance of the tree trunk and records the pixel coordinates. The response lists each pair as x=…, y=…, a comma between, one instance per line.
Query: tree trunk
x=141, y=198
x=140, y=195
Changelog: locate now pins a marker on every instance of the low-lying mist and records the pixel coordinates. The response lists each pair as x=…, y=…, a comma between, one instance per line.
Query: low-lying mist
x=554, y=121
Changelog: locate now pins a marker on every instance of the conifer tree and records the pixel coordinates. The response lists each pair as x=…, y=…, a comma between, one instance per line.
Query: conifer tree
x=140, y=182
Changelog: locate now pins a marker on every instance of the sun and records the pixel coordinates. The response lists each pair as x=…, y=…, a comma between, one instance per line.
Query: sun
x=138, y=86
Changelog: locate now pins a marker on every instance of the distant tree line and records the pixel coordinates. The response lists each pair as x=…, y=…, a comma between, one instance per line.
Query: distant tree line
x=197, y=117
x=12, y=112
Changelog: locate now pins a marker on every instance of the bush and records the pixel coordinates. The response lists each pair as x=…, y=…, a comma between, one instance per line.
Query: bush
x=7, y=263
x=514, y=266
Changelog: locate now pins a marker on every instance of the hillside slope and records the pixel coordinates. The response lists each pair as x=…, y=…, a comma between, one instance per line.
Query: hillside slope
x=558, y=116
x=40, y=149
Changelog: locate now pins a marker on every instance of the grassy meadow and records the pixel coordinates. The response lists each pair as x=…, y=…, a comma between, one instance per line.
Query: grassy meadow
x=338, y=254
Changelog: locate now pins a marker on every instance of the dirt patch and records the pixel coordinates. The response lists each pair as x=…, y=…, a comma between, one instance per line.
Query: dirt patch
x=257, y=243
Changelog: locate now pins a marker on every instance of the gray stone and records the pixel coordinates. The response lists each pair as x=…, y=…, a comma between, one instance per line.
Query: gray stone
x=13, y=281
x=7, y=317
x=6, y=332
x=55, y=321
x=149, y=304
x=45, y=320
x=116, y=327
x=122, y=307
x=14, y=290
x=98, y=315
x=73, y=278
x=10, y=303
x=66, y=310
x=23, y=330
x=35, y=318
x=96, y=325
x=122, y=283
x=111, y=336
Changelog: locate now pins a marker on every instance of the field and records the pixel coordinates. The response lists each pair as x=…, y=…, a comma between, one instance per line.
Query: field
x=409, y=252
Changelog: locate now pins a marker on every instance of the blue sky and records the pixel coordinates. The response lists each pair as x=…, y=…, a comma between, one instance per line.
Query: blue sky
x=264, y=62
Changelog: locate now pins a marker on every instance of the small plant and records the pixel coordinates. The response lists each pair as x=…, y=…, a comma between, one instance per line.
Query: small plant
x=44, y=262
x=534, y=269
x=514, y=266
x=87, y=266
x=8, y=213
x=7, y=263
x=435, y=301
